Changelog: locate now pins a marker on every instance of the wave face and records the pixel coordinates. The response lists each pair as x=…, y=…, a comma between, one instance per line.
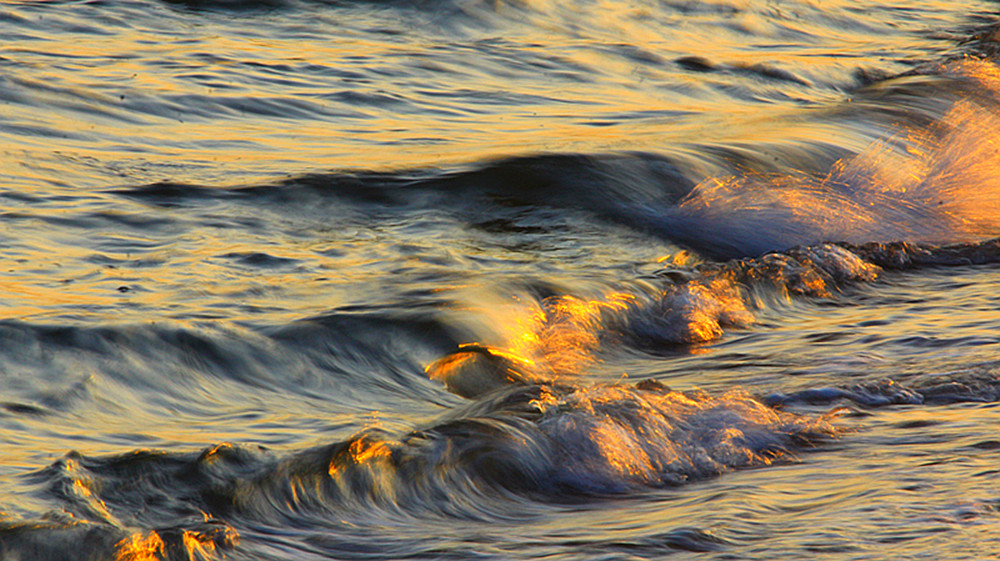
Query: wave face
x=451, y=279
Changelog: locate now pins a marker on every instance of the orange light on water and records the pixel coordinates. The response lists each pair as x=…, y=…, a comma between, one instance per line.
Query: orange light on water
x=364, y=450
x=141, y=547
x=563, y=333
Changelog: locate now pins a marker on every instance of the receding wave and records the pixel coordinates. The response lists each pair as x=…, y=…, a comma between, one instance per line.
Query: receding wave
x=540, y=442
x=560, y=336
x=488, y=460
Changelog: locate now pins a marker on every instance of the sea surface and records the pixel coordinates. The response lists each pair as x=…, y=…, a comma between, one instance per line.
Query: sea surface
x=300, y=280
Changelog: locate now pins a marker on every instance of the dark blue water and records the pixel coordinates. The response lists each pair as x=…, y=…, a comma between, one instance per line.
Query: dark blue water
x=449, y=279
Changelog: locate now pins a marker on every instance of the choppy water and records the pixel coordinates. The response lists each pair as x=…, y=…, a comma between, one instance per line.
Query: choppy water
x=454, y=279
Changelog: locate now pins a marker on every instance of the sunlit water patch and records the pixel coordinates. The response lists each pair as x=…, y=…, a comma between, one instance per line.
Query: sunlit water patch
x=452, y=279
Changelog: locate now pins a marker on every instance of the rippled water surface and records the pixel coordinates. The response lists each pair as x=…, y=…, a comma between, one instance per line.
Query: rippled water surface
x=451, y=279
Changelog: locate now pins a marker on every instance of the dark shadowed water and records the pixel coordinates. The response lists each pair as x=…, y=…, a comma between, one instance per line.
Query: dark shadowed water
x=512, y=279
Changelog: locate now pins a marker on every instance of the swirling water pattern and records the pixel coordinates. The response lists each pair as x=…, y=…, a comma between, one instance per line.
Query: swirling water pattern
x=454, y=279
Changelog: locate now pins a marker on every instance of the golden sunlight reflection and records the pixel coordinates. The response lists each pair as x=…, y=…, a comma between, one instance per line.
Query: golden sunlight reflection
x=652, y=443
x=562, y=336
x=189, y=545
x=367, y=457
x=248, y=246
x=935, y=185
x=364, y=450
x=141, y=547
x=475, y=369
x=224, y=119
x=563, y=332
x=698, y=311
x=200, y=546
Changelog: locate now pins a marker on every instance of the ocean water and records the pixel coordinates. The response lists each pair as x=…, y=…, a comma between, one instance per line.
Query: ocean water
x=499, y=279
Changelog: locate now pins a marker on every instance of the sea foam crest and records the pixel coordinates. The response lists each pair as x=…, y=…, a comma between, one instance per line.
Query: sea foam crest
x=616, y=437
x=559, y=337
x=564, y=440
x=486, y=461
x=929, y=182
